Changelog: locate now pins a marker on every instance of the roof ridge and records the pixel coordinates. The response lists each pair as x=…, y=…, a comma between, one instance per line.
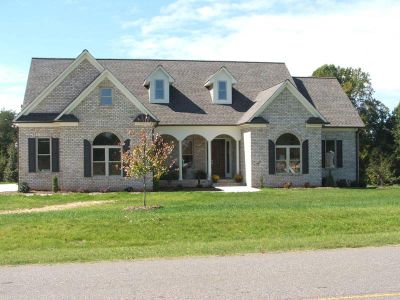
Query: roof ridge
x=162, y=59
x=316, y=77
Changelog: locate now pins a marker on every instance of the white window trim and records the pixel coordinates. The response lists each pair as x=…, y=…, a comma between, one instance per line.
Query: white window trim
x=112, y=97
x=37, y=155
x=106, y=159
x=287, y=160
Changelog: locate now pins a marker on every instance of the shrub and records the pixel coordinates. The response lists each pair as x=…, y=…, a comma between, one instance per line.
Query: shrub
x=330, y=181
x=54, y=184
x=201, y=174
x=171, y=175
x=380, y=171
x=11, y=168
x=307, y=185
x=23, y=187
x=261, y=182
x=215, y=178
x=238, y=178
x=128, y=189
x=156, y=184
x=342, y=183
x=287, y=185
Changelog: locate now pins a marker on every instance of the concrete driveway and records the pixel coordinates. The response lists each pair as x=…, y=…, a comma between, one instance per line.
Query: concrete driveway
x=366, y=273
x=9, y=187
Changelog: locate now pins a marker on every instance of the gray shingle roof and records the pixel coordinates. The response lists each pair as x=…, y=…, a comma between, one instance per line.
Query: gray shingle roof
x=328, y=97
x=191, y=102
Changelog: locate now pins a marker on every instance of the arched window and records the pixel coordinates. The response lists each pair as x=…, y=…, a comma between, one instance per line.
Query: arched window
x=288, y=158
x=107, y=155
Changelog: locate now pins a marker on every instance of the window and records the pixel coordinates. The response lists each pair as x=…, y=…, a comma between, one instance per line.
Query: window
x=187, y=151
x=159, y=88
x=222, y=92
x=107, y=155
x=288, y=154
x=330, y=154
x=43, y=154
x=106, y=97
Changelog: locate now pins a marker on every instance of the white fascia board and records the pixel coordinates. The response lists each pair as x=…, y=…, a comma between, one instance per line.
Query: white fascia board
x=162, y=69
x=52, y=124
x=298, y=96
x=210, y=79
x=106, y=74
x=84, y=55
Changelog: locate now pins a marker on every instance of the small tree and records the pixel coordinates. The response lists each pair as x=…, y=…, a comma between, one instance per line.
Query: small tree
x=11, y=169
x=380, y=171
x=148, y=156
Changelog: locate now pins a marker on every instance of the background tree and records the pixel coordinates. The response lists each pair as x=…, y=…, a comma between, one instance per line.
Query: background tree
x=8, y=137
x=396, y=138
x=147, y=157
x=377, y=136
x=11, y=169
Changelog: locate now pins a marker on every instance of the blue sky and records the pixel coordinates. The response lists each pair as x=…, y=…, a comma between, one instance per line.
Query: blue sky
x=304, y=34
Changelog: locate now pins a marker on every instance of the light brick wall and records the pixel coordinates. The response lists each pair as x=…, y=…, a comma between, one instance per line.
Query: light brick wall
x=68, y=89
x=93, y=120
x=285, y=115
x=349, y=153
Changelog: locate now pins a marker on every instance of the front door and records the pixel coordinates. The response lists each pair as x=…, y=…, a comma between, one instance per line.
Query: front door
x=218, y=157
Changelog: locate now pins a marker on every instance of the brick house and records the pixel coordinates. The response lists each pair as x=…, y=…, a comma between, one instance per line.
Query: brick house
x=225, y=118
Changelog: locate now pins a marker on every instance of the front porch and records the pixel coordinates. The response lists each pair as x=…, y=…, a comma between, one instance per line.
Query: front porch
x=201, y=152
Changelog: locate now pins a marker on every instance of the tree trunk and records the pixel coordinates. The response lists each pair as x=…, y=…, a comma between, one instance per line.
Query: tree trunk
x=144, y=191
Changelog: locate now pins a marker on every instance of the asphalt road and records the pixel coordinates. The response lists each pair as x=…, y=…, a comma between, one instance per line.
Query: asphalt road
x=366, y=273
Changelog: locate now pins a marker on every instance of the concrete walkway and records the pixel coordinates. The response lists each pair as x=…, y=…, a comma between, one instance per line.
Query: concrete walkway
x=237, y=189
x=365, y=273
x=11, y=187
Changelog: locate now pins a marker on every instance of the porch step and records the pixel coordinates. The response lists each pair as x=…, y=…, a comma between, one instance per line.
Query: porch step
x=228, y=182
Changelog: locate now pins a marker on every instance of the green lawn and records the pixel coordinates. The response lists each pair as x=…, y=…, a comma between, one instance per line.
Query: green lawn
x=198, y=223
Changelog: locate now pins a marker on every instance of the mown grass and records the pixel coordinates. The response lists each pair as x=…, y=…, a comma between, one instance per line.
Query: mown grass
x=198, y=223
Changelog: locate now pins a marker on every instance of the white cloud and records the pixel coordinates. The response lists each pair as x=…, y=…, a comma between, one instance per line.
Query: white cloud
x=12, y=87
x=305, y=35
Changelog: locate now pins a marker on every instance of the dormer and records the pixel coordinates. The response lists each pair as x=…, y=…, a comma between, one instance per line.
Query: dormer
x=158, y=84
x=220, y=86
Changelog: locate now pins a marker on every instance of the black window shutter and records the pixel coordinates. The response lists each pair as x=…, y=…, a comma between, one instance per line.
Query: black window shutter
x=125, y=148
x=304, y=152
x=271, y=156
x=32, y=155
x=127, y=144
x=339, y=154
x=55, y=155
x=87, y=158
x=323, y=150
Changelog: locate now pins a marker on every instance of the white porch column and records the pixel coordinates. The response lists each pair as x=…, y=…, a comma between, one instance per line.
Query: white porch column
x=209, y=160
x=180, y=159
x=237, y=157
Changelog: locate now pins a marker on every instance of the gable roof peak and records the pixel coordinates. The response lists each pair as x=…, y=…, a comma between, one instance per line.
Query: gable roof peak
x=223, y=69
x=158, y=68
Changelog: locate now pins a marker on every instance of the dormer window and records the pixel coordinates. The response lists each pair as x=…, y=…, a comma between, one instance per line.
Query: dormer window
x=159, y=86
x=105, y=96
x=220, y=85
x=222, y=93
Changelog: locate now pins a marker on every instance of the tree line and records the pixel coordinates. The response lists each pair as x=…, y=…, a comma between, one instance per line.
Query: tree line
x=380, y=139
x=8, y=147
